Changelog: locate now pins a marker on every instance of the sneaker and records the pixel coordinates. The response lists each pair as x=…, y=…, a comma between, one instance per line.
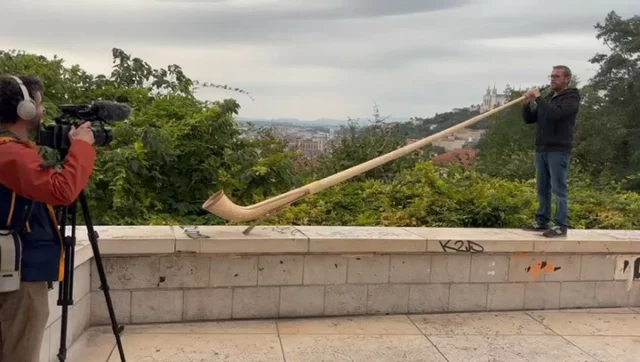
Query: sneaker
x=555, y=232
x=535, y=227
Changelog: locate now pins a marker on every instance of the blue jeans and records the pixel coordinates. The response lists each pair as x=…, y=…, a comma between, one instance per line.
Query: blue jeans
x=551, y=178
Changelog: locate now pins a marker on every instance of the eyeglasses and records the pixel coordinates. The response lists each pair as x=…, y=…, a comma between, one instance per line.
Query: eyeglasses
x=555, y=76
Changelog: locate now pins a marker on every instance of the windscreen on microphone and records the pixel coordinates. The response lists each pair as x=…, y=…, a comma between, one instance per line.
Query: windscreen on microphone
x=110, y=111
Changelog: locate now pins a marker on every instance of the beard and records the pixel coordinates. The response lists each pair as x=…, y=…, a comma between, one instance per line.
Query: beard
x=34, y=124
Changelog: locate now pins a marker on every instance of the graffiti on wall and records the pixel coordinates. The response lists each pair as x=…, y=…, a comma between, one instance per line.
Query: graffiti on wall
x=193, y=232
x=539, y=267
x=467, y=246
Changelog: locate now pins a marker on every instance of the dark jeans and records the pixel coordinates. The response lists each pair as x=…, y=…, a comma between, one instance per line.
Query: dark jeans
x=551, y=170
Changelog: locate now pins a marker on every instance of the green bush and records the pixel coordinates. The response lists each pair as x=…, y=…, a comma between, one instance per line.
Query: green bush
x=452, y=197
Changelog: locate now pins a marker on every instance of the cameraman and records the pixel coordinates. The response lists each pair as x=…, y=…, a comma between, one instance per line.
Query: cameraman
x=25, y=181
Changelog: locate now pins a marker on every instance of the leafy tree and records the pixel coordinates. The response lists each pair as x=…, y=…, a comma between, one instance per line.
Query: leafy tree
x=358, y=144
x=173, y=152
x=507, y=147
x=608, y=137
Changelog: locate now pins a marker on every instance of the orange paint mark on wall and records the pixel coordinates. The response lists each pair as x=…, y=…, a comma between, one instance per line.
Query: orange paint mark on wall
x=540, y=267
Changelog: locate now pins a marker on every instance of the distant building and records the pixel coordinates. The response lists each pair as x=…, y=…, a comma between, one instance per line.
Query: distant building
x=460, y=139
x=461, y=156
x=492, y=99
x=309, y=147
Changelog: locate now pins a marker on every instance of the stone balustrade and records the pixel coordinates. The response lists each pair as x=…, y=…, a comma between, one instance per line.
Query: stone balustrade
x=200, y=273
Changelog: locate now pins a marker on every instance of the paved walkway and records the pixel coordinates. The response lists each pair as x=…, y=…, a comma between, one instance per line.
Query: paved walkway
x=575, y=335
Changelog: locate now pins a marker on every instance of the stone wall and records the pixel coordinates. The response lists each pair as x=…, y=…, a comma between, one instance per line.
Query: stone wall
x=168, y=274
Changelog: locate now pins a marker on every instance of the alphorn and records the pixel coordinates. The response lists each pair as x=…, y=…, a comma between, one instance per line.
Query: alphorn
x=220, y=205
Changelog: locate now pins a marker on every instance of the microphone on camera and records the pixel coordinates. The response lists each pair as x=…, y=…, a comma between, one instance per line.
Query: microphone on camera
x=111, y=111
x=105, y=111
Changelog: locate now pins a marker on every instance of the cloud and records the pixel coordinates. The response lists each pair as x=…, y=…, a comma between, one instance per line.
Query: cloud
x=332, y=58
x=328, y=9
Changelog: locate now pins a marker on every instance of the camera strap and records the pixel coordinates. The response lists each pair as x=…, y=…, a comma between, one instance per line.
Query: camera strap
x=4, y=134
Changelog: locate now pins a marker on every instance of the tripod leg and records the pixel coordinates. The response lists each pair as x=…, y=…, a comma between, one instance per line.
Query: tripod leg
x=93, y=238
x=65, y=292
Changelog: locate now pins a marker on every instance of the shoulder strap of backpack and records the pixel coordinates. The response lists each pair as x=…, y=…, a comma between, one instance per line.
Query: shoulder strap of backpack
x=8, y=136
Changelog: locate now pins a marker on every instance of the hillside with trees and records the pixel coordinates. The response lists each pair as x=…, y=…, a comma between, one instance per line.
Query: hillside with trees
x=176, y=150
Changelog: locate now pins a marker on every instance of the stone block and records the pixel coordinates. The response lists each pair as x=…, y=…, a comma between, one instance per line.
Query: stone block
x=479, y=246
x=255, y=302
x=634, y=295
x=505, y=296
x=627, y=267
x=362, y=239
x=135, y=240
x=154, y=306
x=598, y=267
x=582, y=246
x=188, y=246
x=611, y=294
x=488, y=268
x=177, y=271
x=489, y=240
x=388, y=299
x=569, y=268
x=280, y=269
x=79, y=318
x=121, y=300
x=345, y=299
x=542, y=296
x=207, y=304
x=302, y=301
x=229, y=239
x=325, y=269
x=234, y=271
x=128, y=272
x=468, y=297
x=410, y=269
x=84, y=253
x=528, y=268
x=368, y=269
x=82, y=280
x=450, y=268
x=428, y=298
x=577, y=294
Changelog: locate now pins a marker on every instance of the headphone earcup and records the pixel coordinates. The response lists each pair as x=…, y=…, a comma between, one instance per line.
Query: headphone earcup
x=27, y=110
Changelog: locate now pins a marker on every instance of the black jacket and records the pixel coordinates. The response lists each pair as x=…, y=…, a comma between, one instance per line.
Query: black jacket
x=555, y=118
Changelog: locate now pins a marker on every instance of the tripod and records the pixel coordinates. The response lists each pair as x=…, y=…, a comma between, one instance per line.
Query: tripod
x=65, y=295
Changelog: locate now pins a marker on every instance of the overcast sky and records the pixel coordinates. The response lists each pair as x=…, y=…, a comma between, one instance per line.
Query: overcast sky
x=330, y=58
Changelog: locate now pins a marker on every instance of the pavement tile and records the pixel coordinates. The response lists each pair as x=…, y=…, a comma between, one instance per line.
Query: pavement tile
x=508, y=349
x=618, y=348
x=479, y=324
x=358, y=348
x=595, y=324
x=387, y=325
x=222, y=327
x=144, y=347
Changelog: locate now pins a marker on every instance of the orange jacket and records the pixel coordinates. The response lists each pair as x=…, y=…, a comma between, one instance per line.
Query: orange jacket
x=22, y=180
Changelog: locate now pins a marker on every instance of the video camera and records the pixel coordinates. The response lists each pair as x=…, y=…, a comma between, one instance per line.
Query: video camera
x=56, y=135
